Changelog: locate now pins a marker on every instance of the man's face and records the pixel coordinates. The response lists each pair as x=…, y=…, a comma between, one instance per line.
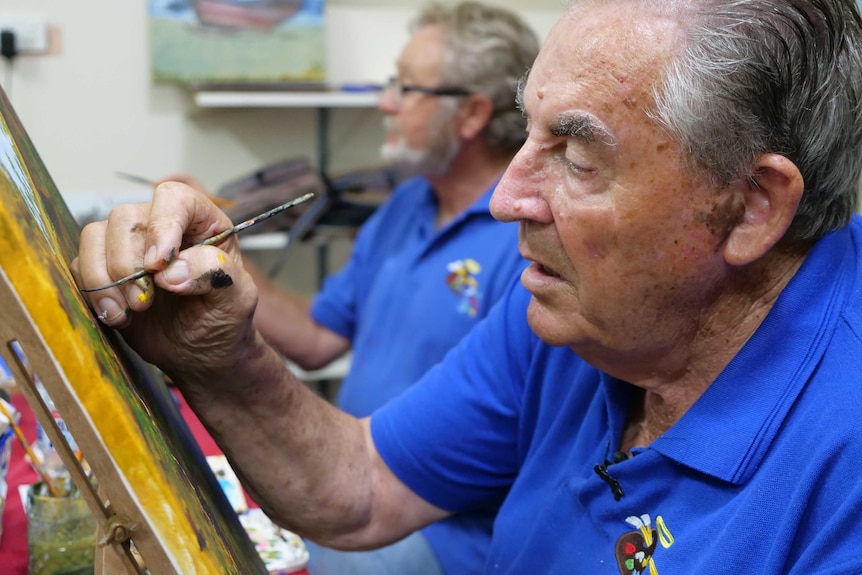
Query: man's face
x=625, y=244
x=420, y=130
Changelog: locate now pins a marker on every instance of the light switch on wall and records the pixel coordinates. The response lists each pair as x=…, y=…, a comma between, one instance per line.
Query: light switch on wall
x=31, y=33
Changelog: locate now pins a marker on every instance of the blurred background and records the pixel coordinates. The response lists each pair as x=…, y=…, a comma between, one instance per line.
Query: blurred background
x=92, y=108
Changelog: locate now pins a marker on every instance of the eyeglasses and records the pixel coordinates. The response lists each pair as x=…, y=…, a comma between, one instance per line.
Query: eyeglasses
x=398, y=90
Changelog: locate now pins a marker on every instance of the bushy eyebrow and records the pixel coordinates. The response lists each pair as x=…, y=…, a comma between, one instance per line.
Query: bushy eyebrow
x=582, y=127
x=519, y=92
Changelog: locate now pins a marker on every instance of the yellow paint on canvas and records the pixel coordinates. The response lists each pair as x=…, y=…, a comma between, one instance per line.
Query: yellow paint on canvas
x=48, y=292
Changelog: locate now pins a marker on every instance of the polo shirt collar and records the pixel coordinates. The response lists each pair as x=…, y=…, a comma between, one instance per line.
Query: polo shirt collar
x=730, y=428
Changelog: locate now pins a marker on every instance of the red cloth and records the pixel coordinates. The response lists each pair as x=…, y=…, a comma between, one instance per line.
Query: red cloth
x=13, y=541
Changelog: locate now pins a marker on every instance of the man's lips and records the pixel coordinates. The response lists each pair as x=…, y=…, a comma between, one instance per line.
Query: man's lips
x=537, y=277
x=539, y=265
x=548, y=271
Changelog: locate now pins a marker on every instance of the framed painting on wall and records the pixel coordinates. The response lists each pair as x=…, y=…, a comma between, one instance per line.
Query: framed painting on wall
x=258, y=42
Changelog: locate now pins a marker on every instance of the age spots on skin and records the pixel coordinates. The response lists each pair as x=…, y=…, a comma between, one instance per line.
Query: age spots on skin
x=723, y=217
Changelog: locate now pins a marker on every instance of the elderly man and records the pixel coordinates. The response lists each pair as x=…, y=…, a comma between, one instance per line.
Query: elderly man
x=674, y=386
x=432, y=261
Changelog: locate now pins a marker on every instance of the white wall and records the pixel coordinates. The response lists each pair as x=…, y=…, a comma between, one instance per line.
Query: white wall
x=92, y=110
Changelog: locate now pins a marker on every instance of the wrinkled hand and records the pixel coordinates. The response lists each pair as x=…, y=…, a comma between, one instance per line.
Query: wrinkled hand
x=195, y=183
x=199, y=318
x=186, y=179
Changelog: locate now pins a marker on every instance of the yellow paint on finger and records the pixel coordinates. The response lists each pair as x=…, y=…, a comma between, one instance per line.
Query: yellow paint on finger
x=146, y=285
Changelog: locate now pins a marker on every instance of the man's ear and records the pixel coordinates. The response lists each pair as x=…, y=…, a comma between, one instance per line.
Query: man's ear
x=473, y=115
x=770, y=200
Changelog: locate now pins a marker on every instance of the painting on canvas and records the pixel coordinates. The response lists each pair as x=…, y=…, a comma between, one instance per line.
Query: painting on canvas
x=278, y=42
x=120, y=412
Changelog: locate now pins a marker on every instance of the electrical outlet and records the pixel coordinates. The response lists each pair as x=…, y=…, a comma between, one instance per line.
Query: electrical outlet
x=31, y=33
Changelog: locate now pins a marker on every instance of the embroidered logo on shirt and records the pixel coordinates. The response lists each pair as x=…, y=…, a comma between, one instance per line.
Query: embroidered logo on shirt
x=634, y=550
x=462, y=280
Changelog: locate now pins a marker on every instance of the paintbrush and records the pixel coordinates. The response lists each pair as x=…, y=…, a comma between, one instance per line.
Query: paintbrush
x=220, y=202
x=216, y=239
x=33, y=459
x=137, y=179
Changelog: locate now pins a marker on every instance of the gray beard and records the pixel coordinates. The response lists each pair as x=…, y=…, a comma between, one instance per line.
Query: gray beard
x=420, y=161
x=433, y=160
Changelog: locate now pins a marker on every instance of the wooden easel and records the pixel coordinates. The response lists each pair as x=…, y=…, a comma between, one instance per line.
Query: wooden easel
x=156, y=495
x=123, y=523
x=19, y=334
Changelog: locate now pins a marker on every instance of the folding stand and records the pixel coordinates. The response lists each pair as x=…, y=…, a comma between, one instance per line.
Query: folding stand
x=156, y=494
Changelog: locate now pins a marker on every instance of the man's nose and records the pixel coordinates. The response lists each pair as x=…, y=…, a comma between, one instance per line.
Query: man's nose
x=518, y=196
x=386, y=103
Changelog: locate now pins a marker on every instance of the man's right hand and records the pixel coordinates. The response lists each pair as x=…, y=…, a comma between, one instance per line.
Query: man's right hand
x=204, y=307
x=195, y=183
x=323, y=477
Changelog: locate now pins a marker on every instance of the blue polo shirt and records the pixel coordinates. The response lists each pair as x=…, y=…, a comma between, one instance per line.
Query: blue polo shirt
x=761, y=475
x=407, y=295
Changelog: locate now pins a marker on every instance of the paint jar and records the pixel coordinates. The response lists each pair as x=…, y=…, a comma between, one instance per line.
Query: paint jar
x=61, y=535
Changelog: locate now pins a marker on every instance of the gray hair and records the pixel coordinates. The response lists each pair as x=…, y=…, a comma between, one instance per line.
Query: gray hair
x=486, y=50
x=780, y=76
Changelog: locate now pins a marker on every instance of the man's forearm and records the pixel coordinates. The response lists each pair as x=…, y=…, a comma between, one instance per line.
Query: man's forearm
x=284, y=442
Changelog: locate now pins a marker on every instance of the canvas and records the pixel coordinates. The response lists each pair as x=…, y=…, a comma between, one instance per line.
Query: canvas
x=152, y=478
x=278, y=42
